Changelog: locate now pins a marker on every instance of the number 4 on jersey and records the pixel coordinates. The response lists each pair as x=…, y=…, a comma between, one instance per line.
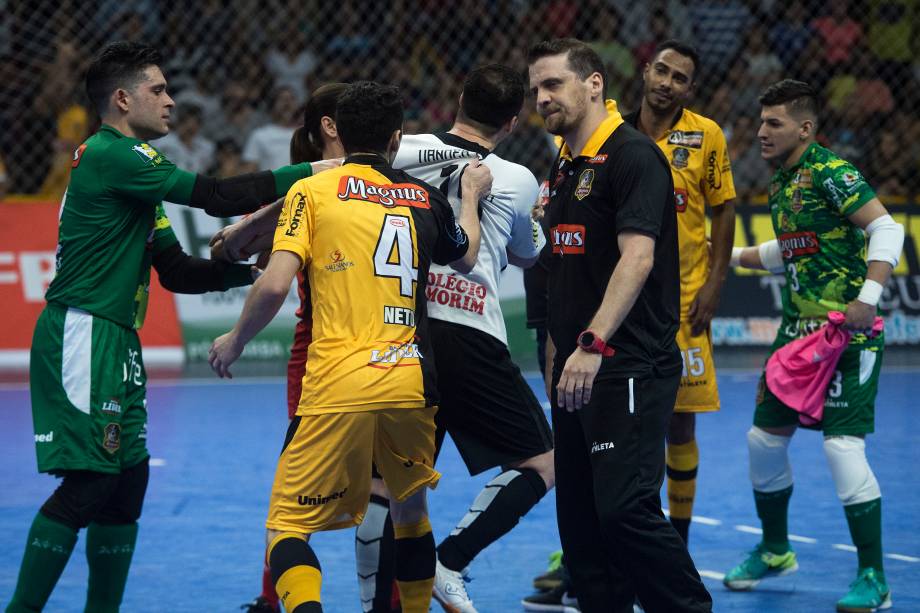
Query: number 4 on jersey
x=396, y=232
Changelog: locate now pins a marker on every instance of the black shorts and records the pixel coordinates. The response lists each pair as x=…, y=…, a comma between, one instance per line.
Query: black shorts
x=486, y=405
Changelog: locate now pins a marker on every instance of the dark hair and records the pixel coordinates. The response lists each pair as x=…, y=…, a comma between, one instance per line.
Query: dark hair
x=582, y=59
x=119, y=65
x=684, y=49
x=367, y=115
x=492, y=95
x=321, y=104
x=800, y=97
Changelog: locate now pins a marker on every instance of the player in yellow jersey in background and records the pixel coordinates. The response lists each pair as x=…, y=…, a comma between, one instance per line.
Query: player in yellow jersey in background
x=696, y=150
x=365, y=235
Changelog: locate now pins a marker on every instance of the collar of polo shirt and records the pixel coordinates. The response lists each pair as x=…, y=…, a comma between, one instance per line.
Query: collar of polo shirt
x=600, y=135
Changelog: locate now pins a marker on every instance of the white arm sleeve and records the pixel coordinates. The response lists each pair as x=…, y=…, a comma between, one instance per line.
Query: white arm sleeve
x=886, y=239
x=770, y=256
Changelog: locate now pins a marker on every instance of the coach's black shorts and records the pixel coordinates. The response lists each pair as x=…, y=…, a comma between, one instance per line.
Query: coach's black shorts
x=486, y=405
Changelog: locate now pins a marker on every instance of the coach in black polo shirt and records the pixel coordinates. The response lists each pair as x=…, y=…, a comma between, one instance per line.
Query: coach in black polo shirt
x=613, y=315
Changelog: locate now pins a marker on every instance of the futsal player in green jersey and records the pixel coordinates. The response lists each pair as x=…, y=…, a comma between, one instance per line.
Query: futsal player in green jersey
x=87, y=375
x=822, y=210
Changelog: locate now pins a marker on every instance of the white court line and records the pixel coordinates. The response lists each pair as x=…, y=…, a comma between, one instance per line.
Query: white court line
x=706, y=521
x=802, y=539
x=157, y=462
x=748, y=529
x=843, y=547
x=902, y=558
x=712, y=574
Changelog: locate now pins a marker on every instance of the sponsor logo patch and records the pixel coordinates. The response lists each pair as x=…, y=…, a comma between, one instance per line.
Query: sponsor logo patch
x=585, y=181
x=596, y=447
x=803, y=179
x=693, y=139
x=339, y=263
x=798, y=243
x=319, y=499
x=78, y=155
x=681, y=197
x=598, y=159
x=112, y=407
x=389, y=196
x=47, y=437
x=147, y=154
x=297, y=205
x=713, y=171
x=568, y=239
x=393, y=355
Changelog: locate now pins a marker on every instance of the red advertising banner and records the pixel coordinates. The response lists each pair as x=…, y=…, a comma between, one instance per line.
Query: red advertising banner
x=28, y=237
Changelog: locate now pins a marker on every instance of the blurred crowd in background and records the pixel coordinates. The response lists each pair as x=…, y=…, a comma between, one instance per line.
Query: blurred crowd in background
x=240, y=71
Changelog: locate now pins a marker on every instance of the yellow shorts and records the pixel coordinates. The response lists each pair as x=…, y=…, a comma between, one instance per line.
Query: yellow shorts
x=698, y=391
x=323, y=480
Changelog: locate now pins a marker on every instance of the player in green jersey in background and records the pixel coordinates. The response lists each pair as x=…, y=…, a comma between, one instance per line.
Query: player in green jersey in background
x=87, y=375
x=822, y=210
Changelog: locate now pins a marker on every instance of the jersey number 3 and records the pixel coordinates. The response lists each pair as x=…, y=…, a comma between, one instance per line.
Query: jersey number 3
x=395, y=253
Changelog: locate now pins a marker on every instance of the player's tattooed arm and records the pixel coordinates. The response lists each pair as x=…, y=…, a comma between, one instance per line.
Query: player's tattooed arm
x=250, y=235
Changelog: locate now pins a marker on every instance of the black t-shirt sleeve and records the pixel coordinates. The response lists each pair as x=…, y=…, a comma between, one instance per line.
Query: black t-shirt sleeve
x=642, y=183
x=453, y=242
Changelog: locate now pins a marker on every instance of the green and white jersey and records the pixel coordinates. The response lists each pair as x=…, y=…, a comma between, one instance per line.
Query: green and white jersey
x=824, y=253
x=111, y=223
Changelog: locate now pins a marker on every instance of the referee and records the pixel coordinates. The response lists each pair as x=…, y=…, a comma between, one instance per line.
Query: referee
x=613, y=316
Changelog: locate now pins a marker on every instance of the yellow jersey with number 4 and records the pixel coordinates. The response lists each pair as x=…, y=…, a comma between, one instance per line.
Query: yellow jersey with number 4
x=366, y=235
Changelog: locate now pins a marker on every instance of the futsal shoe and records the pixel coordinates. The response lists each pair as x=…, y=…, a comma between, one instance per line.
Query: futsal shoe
x=557, y=599
x=259, y=605
x=554, y=574
x=760, y=564
x=450, y=590
x=867, y=594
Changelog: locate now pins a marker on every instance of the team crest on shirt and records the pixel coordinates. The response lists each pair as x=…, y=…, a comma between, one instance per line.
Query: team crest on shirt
x=693, y=139
x=585, y=181
x=680, y=158
x=111, y=438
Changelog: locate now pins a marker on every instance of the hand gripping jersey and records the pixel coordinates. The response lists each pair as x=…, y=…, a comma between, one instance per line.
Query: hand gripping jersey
x=472, y=299
x=111, y=222
x=824, y=253
x=367, y=235
x=696, y=150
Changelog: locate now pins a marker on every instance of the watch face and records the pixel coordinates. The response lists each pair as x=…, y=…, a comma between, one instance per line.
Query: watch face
x=586, y=339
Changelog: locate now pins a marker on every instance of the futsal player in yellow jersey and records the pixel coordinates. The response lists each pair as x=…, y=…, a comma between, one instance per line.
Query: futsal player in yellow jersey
x=365, y=235
x=697, y=152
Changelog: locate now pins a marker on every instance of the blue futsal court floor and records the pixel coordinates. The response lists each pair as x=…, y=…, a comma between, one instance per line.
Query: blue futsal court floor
x=214, y=445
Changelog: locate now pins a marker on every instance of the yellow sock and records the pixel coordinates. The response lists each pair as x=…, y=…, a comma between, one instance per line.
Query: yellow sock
x=683, y=461
x=415, y=561
x=296, y=573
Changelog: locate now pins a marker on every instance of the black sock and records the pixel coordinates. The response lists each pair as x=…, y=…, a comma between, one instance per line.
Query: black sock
x=375, y=556
x=682, y=525
x=496, y=510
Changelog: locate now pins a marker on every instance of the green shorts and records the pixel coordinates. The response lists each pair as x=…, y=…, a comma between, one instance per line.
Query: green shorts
x=849, y=405
x=88, y=388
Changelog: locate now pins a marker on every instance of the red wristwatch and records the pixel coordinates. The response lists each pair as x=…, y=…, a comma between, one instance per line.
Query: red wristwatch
x=592, y=343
